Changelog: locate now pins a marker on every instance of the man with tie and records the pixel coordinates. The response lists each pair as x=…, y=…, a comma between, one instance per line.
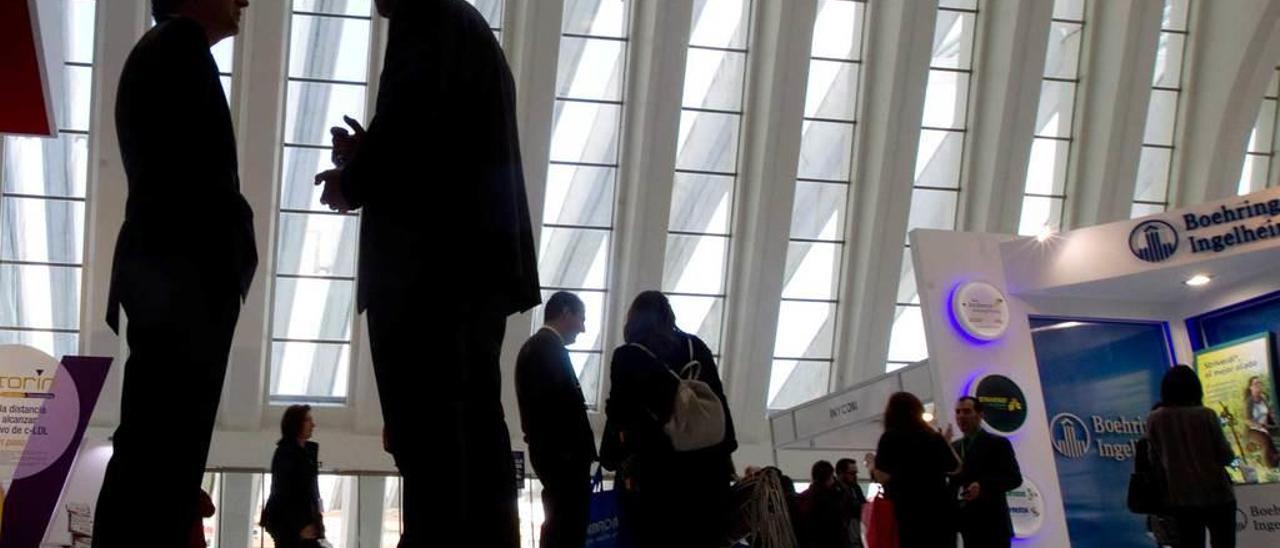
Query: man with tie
x=446, y=254
x=989, y=470
x=554, y=416
x=183, y=263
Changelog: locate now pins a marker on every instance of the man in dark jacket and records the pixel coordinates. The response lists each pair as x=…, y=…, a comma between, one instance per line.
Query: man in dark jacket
x=554, y=416
x=183, y=262
x=446, y=253
x=989, y=470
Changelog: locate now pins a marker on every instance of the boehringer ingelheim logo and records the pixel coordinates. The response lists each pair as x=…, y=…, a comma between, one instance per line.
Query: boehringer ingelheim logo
x=1153, y=241
x=1242, y=520
x=1070, y=435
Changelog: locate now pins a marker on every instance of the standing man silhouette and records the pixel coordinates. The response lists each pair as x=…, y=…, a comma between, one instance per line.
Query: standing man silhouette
x=988, y=471
x=553, y=414
x=183, y=263
x=446, y=254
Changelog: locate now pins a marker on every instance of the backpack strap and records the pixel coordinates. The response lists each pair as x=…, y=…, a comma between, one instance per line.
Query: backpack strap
x=660, y=360
x=693, y=366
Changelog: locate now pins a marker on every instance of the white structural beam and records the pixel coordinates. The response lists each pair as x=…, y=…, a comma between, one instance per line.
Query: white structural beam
x=898, y=48
x=778, y=70
x=1233, y=55
x=1117, y=65
x=235, y=517
x=1005, y=95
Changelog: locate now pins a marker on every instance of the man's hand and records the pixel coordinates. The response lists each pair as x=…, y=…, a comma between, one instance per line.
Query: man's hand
x=310, y=532
x=972, y=491
x=332, y=195
x=344, y=142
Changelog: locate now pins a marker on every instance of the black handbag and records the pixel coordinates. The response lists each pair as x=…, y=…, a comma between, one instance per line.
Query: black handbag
x=1147, y=492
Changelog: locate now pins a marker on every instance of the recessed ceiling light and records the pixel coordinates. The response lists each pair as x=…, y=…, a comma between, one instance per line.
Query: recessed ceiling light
x=1199, y=280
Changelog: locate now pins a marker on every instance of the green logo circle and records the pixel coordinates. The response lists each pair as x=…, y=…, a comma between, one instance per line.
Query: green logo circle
x=1003, y=404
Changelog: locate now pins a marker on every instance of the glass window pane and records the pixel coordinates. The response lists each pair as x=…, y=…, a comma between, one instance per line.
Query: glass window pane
x=1253, y=174
x=1153, y=175
x=805, y=330
x=906, y=340
x=1161, y=115
x=79, y=31
x=1039, y=213
x=700, y=203
x=337, y=7
x=305, y=369
x=1056, y=111
x=826, y=149
x=1068, y=9
x=226, y=88
x=818, y=212
x=958, y=4
x=587, y=366
x=1168, y=71
x=596, y=18
x=593, y=303
x=701, y=316
x=708, y=141
x=579, y=195
x=793, y=382
x=329, y=48
x=832, y=91
x=938, y=158
x=1263, y=133
x=713, y=79
x=907, y=280
x=42, y=231
x=720, y=23
x=837, y=31
x=1047, y=168
x=312, y=309
x=337, y=503
x=1176, y=13
x=574, y=257
x=299, y=190
x=1062, y=58
x=391, y=513
x=946, y=100
x=932, y=209
x=317, y=245
x=953, y=40
x=314, y=108
x=46, y=167
x=491, y=10
x=812, y=271
x=1142, y=210
x=585, y=132
x=224, y=54
x=40, y=297
x=73, y=111
x=695, y=264
x=590, y=69
x=53, y=344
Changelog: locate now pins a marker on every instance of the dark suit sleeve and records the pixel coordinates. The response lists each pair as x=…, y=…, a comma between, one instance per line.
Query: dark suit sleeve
x=533, y=383
x=1004, y=474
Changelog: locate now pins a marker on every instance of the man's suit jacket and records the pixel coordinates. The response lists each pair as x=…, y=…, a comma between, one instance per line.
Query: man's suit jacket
x=990, y=461
x=438, y=174
x=186, y=227
x=552, y=410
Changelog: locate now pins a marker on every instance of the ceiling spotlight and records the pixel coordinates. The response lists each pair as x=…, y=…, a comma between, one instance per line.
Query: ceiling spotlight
x=1044, y=233
x=1199, y=280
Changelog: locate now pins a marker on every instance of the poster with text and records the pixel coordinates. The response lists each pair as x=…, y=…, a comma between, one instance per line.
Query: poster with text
x=1239, y=386
x=45, y=406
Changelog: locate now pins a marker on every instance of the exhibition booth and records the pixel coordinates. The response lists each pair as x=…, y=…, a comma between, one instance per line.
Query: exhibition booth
x=1065, y=338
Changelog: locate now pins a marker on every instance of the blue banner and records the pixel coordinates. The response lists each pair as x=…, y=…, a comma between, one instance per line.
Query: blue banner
x=1100, y=379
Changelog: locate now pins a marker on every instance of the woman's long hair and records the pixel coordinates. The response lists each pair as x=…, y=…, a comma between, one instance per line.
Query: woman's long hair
x=651, y=322
x=905, y=413
x=292, y=420
x=1181, y=388
x=1248, y=392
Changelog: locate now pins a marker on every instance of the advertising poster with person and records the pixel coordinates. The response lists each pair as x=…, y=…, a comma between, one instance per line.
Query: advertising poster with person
x=1239, y=384
x=44, y=408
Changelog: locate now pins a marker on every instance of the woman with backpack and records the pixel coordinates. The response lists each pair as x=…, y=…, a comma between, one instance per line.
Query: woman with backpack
x=669, y=434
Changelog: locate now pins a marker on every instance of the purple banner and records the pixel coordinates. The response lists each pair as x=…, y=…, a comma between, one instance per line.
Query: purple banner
x=61, y=415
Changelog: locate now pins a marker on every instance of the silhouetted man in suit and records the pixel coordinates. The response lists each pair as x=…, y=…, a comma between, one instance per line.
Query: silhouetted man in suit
x=183, y=262
x=989, y=470
x=446, y=254
x=553, y=414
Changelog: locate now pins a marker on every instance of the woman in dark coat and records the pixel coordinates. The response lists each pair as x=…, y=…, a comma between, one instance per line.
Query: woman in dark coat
x=671, y=499
x=913, y=461
x=292, y=513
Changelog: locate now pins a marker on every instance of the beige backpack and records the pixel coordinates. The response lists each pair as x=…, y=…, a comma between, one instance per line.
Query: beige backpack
x=697, y=414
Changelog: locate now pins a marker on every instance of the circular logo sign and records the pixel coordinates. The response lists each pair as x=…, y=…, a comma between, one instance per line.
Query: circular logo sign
x=1004, y=408
x=1070, y=435
x=1026, y=509
x=1242, y=521
x=981, y=310
x=1153, y=241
